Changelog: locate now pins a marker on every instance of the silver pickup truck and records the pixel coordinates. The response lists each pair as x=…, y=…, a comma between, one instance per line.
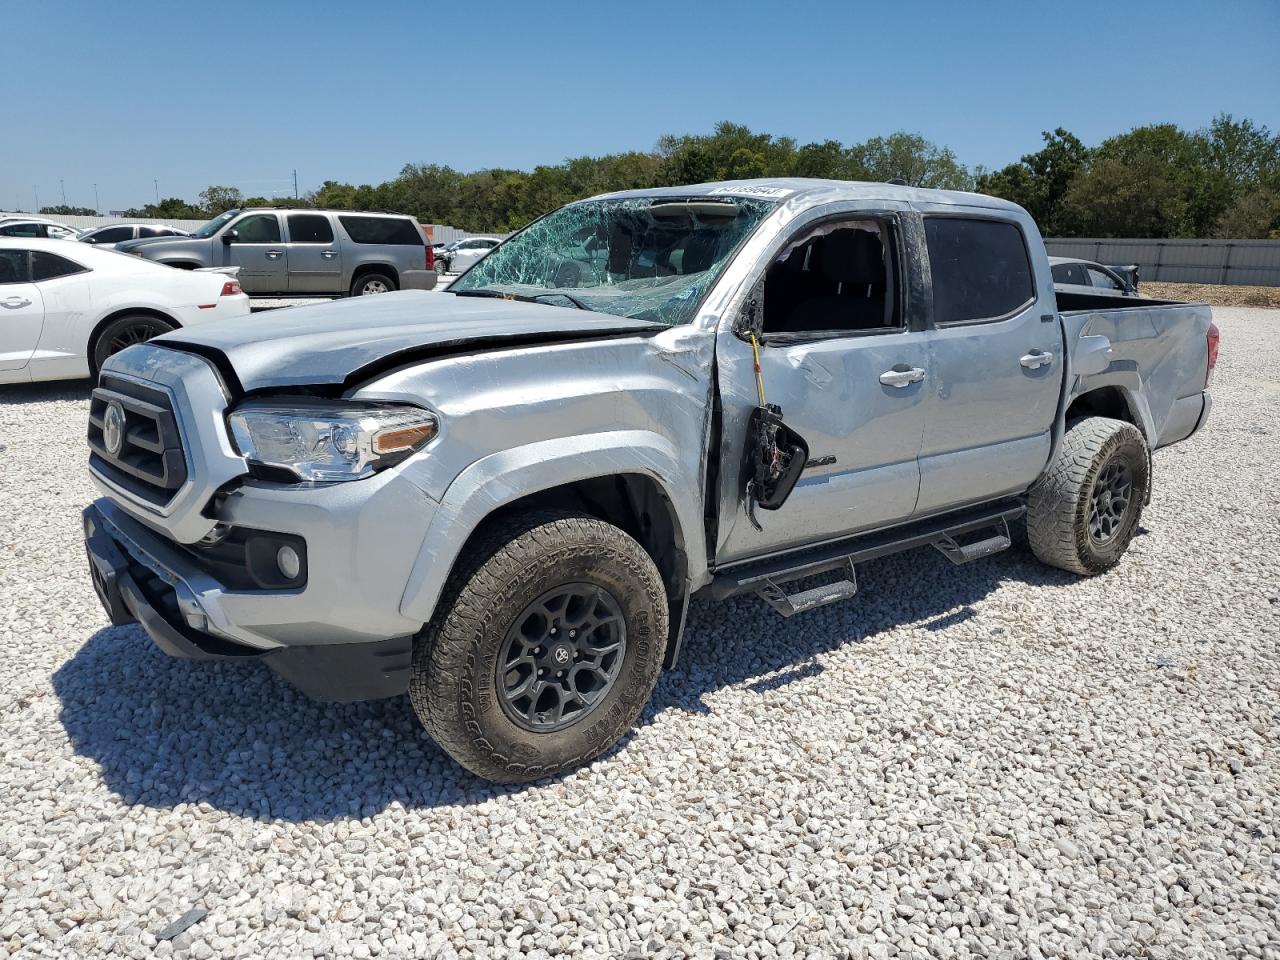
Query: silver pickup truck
x=500, y=498
x=308, y=253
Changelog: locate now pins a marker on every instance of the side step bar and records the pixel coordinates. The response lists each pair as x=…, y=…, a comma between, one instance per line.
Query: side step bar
x=948, y=533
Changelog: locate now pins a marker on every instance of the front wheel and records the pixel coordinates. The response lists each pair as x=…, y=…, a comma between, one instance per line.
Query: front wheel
x=370, y=283
x=545, y=649
x=1083, y=512
x=125, y=332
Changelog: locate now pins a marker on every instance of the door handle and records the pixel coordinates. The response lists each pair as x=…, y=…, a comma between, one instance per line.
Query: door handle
x=328, y=254
x=1036, y=359
x=902, y=378
x=274, y=254
x=16, y=302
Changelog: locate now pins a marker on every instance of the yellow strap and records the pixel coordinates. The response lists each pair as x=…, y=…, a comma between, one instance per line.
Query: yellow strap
x=755, y=354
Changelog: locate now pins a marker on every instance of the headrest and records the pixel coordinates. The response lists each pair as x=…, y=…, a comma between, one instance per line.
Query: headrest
x=851, y=256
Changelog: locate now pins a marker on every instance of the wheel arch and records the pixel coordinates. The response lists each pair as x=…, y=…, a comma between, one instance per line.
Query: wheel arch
x=622, y=485
x=367, y=268
x=1110, y=401
x=116, y=314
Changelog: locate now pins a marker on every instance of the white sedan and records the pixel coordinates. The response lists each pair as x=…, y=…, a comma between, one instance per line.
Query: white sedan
x=65, y=308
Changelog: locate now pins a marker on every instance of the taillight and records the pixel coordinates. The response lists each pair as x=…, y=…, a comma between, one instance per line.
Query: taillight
x=231, y=288
x=1211, y=340
x=431, y=258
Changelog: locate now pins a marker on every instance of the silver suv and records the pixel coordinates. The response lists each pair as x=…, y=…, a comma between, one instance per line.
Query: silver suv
x=301, y=252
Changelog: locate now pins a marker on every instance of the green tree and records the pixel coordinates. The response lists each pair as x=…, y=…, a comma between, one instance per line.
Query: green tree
x=1040, y=180
x=215, y=200
x=1137, y=184
x=65, y=210
x=910, y=157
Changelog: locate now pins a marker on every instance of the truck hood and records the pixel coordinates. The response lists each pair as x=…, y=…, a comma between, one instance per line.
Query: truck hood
x=347, y=341
x=127, y=246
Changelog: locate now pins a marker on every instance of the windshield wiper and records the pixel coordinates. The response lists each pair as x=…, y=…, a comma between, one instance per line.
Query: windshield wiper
x=537, y=298
x=574, y=300
x=498, y=294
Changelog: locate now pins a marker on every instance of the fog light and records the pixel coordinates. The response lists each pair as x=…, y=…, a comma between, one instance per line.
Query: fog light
x=289, y=562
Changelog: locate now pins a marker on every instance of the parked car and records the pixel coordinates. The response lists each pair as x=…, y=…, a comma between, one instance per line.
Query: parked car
x=107, y=237
x=43, y=229
x=461, y=255
x=65, y=308
x=502, y=497
x=299, y=252
x=1085, y=276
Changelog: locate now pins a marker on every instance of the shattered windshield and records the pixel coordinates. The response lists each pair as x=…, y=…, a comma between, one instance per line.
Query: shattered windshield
x=651, y=258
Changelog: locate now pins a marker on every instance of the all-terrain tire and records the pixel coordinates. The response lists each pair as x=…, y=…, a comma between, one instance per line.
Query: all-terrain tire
x=455, y=688
x=1072, y=519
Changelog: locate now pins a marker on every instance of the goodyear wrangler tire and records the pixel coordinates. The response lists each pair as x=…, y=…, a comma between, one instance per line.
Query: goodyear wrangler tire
x=545, y=648
x=1083, y=511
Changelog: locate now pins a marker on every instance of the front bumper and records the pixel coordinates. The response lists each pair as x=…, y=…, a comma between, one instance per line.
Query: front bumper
x=139, y=579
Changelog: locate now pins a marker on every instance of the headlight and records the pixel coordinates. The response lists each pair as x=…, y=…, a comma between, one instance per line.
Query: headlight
x=329, y=441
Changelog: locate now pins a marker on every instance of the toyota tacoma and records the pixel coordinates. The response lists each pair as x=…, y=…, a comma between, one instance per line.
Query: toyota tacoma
x=500, y=498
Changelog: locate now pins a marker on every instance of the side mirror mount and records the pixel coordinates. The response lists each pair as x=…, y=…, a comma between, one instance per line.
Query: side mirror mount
x=230, y=237
x=751, y=319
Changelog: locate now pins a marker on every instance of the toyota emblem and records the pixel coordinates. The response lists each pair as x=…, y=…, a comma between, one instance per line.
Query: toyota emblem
x=561, y=655
x=113, y=428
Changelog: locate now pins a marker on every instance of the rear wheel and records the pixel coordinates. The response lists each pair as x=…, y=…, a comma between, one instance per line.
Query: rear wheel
x=368, y=284
x=124, y=332
x=546, y=649
x=1083, y=512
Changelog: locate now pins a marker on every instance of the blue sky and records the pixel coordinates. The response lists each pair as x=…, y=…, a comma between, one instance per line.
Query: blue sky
x=125, y=92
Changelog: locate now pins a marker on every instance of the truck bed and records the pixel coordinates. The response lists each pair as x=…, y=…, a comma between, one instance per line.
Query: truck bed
x=1159, y=358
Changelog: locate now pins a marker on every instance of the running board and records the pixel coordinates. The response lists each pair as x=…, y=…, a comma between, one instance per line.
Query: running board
x=958, y=553
x=763, y=577
x=789, y=604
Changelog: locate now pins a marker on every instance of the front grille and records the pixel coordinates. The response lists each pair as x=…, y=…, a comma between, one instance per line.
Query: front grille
x=150, y=463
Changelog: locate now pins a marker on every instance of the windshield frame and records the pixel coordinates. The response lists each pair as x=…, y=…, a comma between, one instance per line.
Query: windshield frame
x=213, y=225
x=768, y=209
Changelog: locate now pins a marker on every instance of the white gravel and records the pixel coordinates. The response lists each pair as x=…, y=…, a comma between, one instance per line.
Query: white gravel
x=998, y=761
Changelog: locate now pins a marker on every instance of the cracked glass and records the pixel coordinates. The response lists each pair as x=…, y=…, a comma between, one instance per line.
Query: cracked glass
x=647, y=258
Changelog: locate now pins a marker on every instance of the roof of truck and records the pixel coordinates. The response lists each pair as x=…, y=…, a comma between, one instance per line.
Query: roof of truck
x=811, y=192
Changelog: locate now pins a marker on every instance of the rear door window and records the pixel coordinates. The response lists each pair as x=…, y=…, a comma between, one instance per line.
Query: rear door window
x=111, y=235
x=309, y=228
x=981, y=269
x=398, y=231
x=22, y=230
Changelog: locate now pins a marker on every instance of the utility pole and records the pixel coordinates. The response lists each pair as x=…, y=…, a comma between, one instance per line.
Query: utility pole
x=62, y=185
x=97, y=204
x=157, y=183
x=295, y=183
x=36, y=191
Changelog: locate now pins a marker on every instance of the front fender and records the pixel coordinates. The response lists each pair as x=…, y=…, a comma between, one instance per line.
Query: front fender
x=504, y=477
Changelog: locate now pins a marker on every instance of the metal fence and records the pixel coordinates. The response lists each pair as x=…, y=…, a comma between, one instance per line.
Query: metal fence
x=1238, y=262
x=440, y=233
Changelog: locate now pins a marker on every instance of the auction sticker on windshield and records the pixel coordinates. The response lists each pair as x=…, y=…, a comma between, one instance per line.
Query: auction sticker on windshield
x=772, y=193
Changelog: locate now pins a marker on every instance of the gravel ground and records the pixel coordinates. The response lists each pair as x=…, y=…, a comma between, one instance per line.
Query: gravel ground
x=999, y=760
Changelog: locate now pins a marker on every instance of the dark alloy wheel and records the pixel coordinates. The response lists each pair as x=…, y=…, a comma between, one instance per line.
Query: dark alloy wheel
x=125, y=332
x=544, y=648
x=561, y=657
x=1111, y=502
x=1084, y=510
